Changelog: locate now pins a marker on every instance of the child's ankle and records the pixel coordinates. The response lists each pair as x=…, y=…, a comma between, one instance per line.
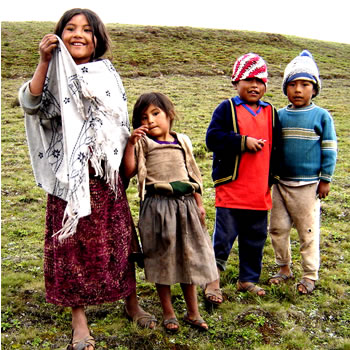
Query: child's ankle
x=285, y=270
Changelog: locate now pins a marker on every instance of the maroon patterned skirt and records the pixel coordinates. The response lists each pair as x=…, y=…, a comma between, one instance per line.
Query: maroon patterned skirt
x=93, y=265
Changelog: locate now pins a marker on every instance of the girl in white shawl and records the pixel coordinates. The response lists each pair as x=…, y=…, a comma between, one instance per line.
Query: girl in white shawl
x=77, y=128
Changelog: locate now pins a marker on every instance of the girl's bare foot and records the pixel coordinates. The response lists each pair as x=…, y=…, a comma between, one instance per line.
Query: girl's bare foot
x=135, y=313
x=213, y=293
x=81, y=332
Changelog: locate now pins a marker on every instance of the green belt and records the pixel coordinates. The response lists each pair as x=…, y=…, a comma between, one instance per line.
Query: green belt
x=176, y=188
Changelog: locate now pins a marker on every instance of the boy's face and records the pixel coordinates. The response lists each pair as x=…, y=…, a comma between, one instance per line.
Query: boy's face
x=251, y=90
x=300, y=93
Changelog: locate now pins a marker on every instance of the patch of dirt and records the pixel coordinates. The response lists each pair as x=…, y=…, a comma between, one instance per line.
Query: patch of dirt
x=267, y=324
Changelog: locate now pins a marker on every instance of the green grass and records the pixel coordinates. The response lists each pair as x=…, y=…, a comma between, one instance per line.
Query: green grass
x=193, y=67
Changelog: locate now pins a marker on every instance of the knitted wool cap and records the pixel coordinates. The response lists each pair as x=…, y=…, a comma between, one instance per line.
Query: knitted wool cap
x=247, y=66
x=302, y=67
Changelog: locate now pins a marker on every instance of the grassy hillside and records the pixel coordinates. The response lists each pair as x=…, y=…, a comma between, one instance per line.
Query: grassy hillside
x=193, y=67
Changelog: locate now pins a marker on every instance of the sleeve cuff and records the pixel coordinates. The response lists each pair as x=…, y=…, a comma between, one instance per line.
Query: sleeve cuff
x=243, y=143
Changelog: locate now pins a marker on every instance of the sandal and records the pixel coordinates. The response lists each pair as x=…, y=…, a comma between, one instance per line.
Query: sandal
x=305, y=283
x=142, y=319
x=280, y=278
x=170, y=321
x=251, y=288
x=210, y=293
x=81, y=344
x=197, y=323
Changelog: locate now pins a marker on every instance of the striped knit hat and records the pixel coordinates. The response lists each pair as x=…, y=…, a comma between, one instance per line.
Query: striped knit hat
x=247, y=66
x=302, y=67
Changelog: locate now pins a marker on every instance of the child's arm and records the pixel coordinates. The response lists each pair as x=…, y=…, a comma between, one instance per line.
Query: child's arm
x=199, y=202
x=328, y=148
x=46, y=48
x=220, y=136
x=323, y=189
x=129, y=153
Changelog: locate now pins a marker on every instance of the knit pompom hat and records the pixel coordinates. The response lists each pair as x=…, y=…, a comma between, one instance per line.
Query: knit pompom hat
x=302, y=67
x=247, y=66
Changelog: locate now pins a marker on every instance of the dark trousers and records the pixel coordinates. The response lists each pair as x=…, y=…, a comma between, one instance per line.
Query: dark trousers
x=251, y=228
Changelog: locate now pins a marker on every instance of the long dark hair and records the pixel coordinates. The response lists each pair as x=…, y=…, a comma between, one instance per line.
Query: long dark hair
x=98, y=29
x=152, y=98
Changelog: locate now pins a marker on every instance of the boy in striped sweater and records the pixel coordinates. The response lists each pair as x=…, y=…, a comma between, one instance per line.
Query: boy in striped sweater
x=308, y=161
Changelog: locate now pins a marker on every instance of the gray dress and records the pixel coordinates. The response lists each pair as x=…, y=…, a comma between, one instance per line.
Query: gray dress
x=176, y=245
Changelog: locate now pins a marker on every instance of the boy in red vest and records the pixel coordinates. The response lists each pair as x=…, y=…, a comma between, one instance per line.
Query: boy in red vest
x=243, y=135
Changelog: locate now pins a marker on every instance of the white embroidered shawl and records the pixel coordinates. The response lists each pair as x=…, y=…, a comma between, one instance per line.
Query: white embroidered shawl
x=82, y=117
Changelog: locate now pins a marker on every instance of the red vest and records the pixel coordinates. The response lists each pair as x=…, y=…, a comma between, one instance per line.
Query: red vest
x=251, y=189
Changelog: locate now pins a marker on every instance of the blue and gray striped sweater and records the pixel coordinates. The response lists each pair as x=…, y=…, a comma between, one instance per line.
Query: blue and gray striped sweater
x=309, y=144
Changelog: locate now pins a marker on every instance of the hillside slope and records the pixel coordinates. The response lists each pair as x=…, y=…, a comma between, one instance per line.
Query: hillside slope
x=152, y=51
x=192, y=66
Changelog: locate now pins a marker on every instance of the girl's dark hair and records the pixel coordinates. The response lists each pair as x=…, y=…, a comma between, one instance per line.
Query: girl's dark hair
x=152, y=98
x=98, y=29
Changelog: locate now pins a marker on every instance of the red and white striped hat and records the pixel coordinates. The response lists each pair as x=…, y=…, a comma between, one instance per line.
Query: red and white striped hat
x=247, y=66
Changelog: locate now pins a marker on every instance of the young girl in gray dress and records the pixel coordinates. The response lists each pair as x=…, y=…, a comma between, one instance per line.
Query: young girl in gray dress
x=176, y=245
